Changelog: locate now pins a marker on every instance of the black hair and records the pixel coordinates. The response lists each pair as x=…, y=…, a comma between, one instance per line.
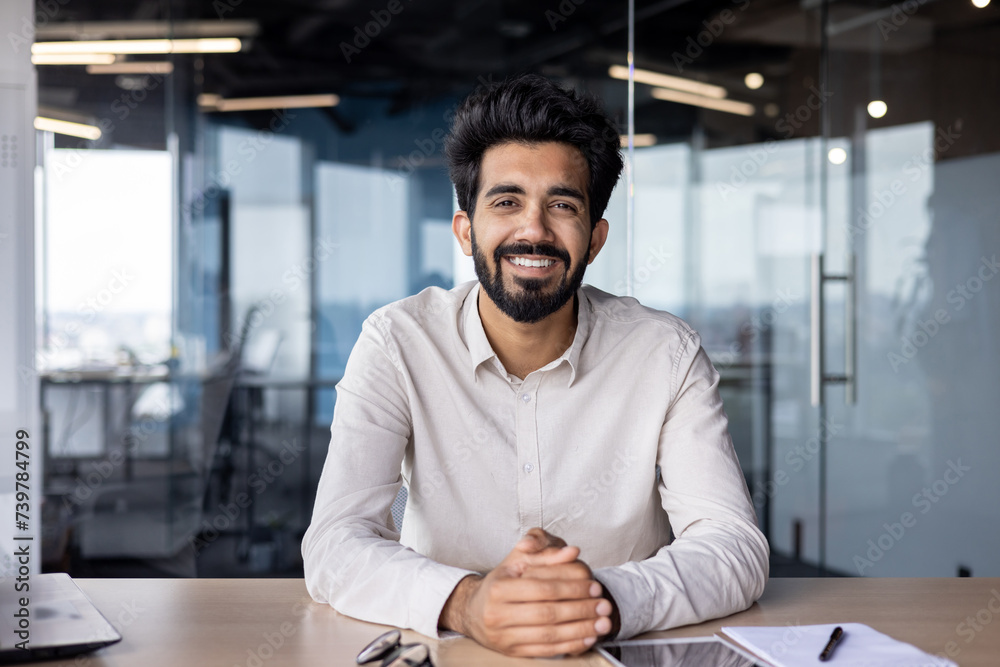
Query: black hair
x=530, y=109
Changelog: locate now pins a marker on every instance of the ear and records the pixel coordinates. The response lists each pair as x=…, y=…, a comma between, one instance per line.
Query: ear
x=461, y=227
x=597, y=239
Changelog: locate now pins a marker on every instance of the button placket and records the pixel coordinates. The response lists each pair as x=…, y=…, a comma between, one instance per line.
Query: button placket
x=529, y=488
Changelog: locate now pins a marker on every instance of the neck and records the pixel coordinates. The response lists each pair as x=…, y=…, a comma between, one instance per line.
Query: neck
x=522, y=347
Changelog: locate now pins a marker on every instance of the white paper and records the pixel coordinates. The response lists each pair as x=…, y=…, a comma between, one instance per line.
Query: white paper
x=861, y=646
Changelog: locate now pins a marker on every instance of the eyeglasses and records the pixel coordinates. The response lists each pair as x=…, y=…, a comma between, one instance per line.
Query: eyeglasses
x=387, y=648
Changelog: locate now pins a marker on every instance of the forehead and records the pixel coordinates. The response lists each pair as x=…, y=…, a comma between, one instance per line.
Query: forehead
x=541, y=164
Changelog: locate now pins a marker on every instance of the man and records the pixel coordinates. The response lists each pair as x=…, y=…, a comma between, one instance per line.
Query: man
x=524, y=411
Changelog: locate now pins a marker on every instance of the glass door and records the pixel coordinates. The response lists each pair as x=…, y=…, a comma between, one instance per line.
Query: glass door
x=908, y=471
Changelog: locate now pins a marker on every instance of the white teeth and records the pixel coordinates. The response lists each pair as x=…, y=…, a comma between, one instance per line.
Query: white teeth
x=538, y=263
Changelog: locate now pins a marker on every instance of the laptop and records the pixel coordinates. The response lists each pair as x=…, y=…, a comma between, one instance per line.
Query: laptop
x=61, y=621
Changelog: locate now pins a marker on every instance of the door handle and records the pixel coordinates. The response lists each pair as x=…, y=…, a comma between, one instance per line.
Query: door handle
x=817, y=335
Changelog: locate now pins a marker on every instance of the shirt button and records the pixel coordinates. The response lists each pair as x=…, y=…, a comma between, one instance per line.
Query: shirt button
x=528, y=467
x=526, y=398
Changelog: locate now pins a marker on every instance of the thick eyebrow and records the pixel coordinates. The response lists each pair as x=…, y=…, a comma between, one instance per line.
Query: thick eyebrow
x=566, y=191
x=554, y=191
x=504, y=189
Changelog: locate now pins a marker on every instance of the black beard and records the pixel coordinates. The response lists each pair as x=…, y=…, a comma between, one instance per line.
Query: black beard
x=532, y=304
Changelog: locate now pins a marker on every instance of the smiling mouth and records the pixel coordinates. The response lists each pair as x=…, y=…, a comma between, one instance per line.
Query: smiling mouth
x=531, y=263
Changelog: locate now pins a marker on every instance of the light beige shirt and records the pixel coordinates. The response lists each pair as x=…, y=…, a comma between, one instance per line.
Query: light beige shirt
x=573, y=448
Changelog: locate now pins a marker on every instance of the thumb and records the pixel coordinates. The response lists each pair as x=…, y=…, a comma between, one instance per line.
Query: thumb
x=537, y=539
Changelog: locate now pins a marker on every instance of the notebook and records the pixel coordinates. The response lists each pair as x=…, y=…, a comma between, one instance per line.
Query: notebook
x=58, y=620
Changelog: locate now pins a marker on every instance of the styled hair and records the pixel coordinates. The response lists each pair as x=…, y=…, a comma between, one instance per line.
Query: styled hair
x=530, y=109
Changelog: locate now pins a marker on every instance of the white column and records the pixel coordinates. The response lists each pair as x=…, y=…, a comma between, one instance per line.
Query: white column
x=18, y=379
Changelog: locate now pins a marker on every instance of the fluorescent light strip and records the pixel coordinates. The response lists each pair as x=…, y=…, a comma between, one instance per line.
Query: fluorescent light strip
x=141, y=46
x=65, y=127
x=73, y=59
x=668, y=81
x=729, y=106
x=209, y=102
x=133, y=67
x=639, y=140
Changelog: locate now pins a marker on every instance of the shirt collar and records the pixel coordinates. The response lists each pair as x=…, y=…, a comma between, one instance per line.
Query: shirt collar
x=480, y=349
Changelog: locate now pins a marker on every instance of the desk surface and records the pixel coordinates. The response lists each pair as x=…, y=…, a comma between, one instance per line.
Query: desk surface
x=273, y=622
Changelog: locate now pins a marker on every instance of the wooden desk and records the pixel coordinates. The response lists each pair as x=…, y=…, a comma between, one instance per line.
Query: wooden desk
x=273, y=622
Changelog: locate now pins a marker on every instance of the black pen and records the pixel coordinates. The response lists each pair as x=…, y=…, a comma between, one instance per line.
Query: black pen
x=835, y=636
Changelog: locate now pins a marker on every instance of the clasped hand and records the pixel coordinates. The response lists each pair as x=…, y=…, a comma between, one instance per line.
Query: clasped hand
x=540, y=601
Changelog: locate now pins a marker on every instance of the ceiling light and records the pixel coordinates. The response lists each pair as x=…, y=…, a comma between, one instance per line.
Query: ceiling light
x=73, y=59
x=55, y=31
x=980, y=3
x=877, y=108
x=754, y=80
x=667, y=81
x=729, y=106
x=209, y=102
x=639, y=140
x=141, y=46
x=65, y=127
x=837, y=155
x=133, y=67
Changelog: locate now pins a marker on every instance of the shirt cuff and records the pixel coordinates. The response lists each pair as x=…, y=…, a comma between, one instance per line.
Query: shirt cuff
x=435, y=586
x=633, y=597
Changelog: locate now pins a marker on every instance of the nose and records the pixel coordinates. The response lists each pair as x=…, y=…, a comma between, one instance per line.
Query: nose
x=534, y=226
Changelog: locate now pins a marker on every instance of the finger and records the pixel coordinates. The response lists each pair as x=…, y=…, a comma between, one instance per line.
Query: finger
x=539, y=590
x=550, y=556
x=537, y=539
x=553, y=613
x=575, y=570
x=549, y=640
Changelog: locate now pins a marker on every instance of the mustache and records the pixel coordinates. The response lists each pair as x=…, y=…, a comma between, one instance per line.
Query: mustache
x=530, y=249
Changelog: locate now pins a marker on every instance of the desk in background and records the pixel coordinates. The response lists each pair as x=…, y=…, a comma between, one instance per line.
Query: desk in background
x=274, y=623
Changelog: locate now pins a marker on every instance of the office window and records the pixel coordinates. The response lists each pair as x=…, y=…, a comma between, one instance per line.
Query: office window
x=106, y=287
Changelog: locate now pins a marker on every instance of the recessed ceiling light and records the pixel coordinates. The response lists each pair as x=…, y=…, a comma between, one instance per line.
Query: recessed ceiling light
x=754, y=80
x=877, y=108
x=837, y=155
x=980, y=3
